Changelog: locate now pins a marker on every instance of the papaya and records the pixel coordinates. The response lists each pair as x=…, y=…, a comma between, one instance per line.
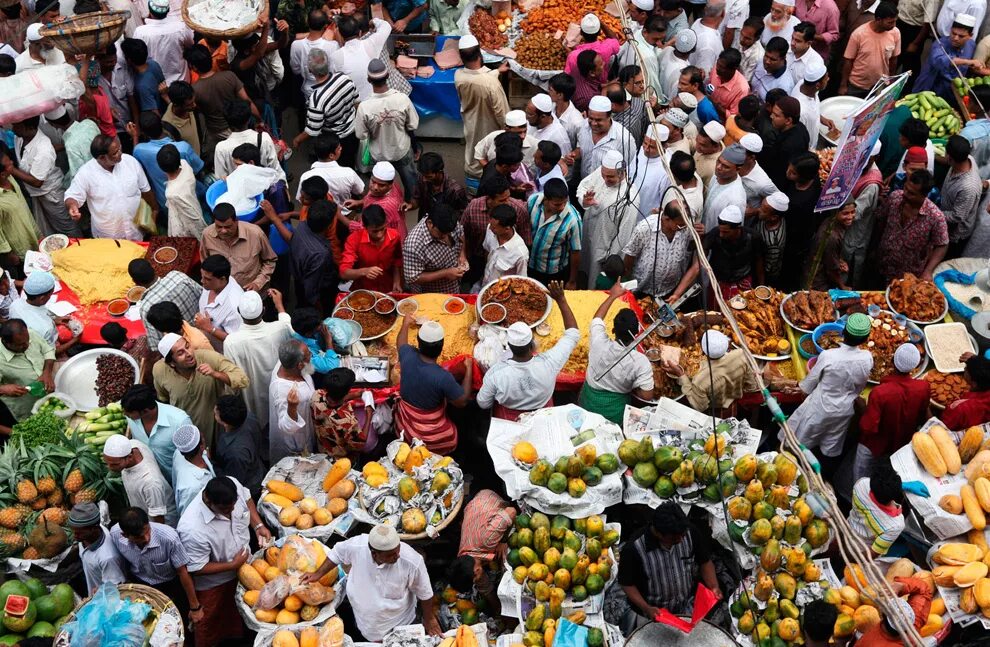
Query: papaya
x=535, y=618
x=441, y=481
x=575, y=467
x=789, y=610
x=754, y=492
x=683, y=476
x=766, y=474
x=803, y=511
x=763, y=510
x=587, y=453
x=627, y=452
x=289, y=491
x=711, y=492
x=761, y=532
x=525, y=452
x=667, y=458
x=538, y=572
x=797, y=561
x=540, y=473
x=609, y=538
x=777, y=526
x=644, y=451
x=787, y=469
x=594, y=526
x=568, y=559
x=607, y=463
x=407, y=488
x=745, y=468
x=541, y=540
x=788, y=629
x=770, y=557
x=541, y=591
x=592, y=476
x=778, y=497
x=557, y=483
x=593, y=548
x=576, y=487
x=527, y=556
x=816, y=533
x=645, y=474
x=812, y=573
x=746, y=623
x=715, y=444
x=792, y=530
x=844, y=627
x=539, y=520
x=551, y=558
x=562, y=579
x=706, y=469
x=740, y=508
x=595, y=584
x=786, y=585
x=763, y=587
x=772, y=612
x=519, y=574
x=572, y=541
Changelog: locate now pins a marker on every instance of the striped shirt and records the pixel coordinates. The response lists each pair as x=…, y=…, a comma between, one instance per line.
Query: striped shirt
x=332, y=107
x=484, y=525
x=592, y=152
x=156, y=562
x=554, y=237
x=872, y=521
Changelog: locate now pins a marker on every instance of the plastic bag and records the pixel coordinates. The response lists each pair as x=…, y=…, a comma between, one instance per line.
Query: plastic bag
x=274, y=593
x=314, y=594
x=301, y=555
x=34, y=92
x=244, y=184
x=570, y=635
x=144, y=220
x=108, y=621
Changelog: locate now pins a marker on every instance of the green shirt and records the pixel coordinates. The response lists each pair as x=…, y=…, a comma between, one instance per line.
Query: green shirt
x=18, y=233
x=24, y=368
x=443, y=16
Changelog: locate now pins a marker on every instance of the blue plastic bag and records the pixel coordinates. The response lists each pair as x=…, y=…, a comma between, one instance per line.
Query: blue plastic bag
x=570, y=635
x=108, y=621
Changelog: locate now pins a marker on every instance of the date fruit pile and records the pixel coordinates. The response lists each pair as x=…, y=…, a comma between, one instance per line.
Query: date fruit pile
x=114, y=375
x=187, y=249
x=485, y=28
x=540, y=51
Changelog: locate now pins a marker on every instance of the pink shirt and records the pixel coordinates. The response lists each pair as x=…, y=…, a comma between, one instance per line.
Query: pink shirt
x=824, y=15
x=391, y=204
x=870, y=53
x=728, y=93
x=605, y=48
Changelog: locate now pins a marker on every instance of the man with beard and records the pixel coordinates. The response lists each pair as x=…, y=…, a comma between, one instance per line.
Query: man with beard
x=290, y=422
x=780, y=21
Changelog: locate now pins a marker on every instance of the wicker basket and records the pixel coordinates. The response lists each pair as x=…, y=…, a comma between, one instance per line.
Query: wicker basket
x=403, y=536
x=88, y=33
x=158, y=601
x=222, y=34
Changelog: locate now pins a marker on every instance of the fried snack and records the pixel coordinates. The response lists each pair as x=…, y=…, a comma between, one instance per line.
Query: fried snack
x=885, y=337
x=946, y=387
x=523, y=300
x=554, y=15
x=484, y=27
x=584, y=304
x=809, y=309
x=762, y=325
x=916, y=299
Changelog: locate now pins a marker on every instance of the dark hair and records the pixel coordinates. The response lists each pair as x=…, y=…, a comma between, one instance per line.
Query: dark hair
x=958, y=148
x=555, y=189
x=682, y=166
x=223, y=211
x=373, y=216
x=8, y=66
x=113, y=333
x=232, y=410
x=790, y=108
x=139, y=397
x=151, y=124
x=218, y=265
x=915, y=131
x=886, y=10
x=978, y=368
x=305, y=321
x=100, y=145
x=854, y=340
x=339, y=381
x=586, y=61
x=443, y=218
x=749, y=106
x=504, y=215
x=819, y=620
x=326, y=145
x=806, y=165
x=695, y=75
x=317, y=20
x=221, y=490
x=669, y=519
x=885, y=483
x=30, y=122
x=508, y=154
x=349, y=28
x=165, y=317
x=431, y=349
x=168, y=158
x=237, y=113
x=807, y=30
x=625, y=327
x=135, y=51
x=628, y=73
x=430, y=162
x=140, y=271
x=655, y=23
x=314, y=187
x=672, y=210
x=180, y=92
x=778, y=45
x=773, y=96
x=494, y=185
x=460, y=574
x=247, y=153
x=199, y=58
x=755, y=23
x=12, y=327
x=613, y=267
x=563, y=84
x=549, y=151
x=923, y=179
x=133, y=522
x=321, y=215
x=471, y=54
x=617, y=95
x=731, y=57
x=521, y=351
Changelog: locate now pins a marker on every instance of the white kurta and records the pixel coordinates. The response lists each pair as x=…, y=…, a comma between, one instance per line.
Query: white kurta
x=608, y=225
x=255, y=349
x=758, y=185
x=555, y=132
x=223, y=309
x=721, y=196
x=185, y=215
x=952, y=8
x=797, y=66
x=784, y=32
x=289, y=436
x=708, y=48
x=811, y=111
x=649, y=180
x=113, y=196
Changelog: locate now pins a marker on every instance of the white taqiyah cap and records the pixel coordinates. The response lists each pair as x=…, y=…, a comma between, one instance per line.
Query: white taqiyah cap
x=33, y=33
x=686, y=41
x=906, y=358
x=55, y=113
x=751, y=142
x=515, y=118
x=186, y=438
x=778, y=200
x=643, y=5
x=431, y=332
x=662, y=131
x=714, y=344
x=714, y=130
x=731, y=215
x=814, y=72
x=519, y=334
x=590, y=24
x=612, y=160
x=383, y=171
x=688, y=100
x=383, y=537
x=876, y=148
x=117, y=446
x=676, y=117
x=965, y=20
x=167, y=342
x=784, y=3
x=467, y=42
x=599, y=103
x=543, y=102
x=38, y=283
x=250, y=306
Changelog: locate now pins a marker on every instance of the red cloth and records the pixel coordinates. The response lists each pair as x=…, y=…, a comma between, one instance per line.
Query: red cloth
x=895, y=410
x=434, y=428
x=967, y=412
x=99, y=111
x=505, y=413
x=220, y=617
x=919, y=597
x=360, y=252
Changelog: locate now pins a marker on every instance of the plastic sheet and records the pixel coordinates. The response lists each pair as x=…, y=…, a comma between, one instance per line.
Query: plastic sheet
x=37, y=91
x=108, y=621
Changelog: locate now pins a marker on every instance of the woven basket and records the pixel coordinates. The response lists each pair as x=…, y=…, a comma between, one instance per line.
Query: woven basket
x=222, y=34
x=422, y=535
x=88, y=33
x=158, y=601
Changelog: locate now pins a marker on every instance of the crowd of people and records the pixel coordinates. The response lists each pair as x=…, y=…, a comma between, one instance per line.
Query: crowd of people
x=704, y=116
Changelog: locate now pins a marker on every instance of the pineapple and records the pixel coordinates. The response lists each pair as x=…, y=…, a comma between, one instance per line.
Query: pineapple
x=56, y=497
x=39, y=504
x=12, y=542
x=44, y=463
x=74, y=481
x=30, y=553
x=56, y=515
x=26, y=491
x=12, y=517
x=86, y=495
x=46, y=485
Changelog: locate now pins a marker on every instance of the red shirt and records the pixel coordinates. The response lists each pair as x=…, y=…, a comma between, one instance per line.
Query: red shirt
x=968, y=412
x=919, y=597
x=99, y=111
x=895, y=410
x=360, y=252
x=391, y=204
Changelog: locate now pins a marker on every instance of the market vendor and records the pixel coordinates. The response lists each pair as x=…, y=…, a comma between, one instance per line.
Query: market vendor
x=973, y=408
x=26, y=358
x=426, y=389
x=661, y=566
x=308, y=328
x=191, y=467
x=385, y=580
x=916, y=609
x=342, y=428
x=100, y=560
x=480, y=557
x=526, y=381
x=833, y=384
x=735, y=253
x=608, y=393
x=38, y=289
x=153, y=423
x=949, y=54
x=372, y=257
x=877, y=516
x=660, y=255
x=721, y=379
x=818, y=623
x=144, y=484
x=433, y=255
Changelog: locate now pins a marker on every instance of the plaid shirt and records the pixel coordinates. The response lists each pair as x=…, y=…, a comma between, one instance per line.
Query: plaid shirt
x=421, y=253
x=904, y=247
x=177, y=288
x=451, y=194
x=553, y=238
x=475, y=221
x=484, y=527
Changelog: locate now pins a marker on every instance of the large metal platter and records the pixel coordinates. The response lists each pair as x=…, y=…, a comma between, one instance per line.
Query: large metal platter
x=945, y=310
x=546, y=313
x=792, y=324
x=704, y=634
x=77, y=377
x=838, y=110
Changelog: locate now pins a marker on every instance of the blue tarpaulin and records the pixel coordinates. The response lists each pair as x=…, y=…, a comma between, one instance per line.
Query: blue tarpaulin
x=437, y=95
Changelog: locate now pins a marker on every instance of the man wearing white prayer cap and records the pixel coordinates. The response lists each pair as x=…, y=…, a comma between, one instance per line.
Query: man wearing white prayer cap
x=754, y=179
x=814, y=79
x=736, y=253
x=647, y=174
x=191, y=466
x=937, y=73
x=781, y=21
x=378, y=562
x=953, y=10
x=543, y=125
x=723, y=376
x=33, y=311
x=145, y=485
x=526, y=381
x=707, y=147
x=676, y=61
x=483, y=103
x=897, y=407
x=384, y=192
x=726, y=187
x=609, y=219
x=468, y=41
x=590, y=25
x=427, y=389
x=38, y=50
x=591, y=28
x=866, y=196
x=600, y=135
x=639, y=10
x=772, y=230
x=676, y=121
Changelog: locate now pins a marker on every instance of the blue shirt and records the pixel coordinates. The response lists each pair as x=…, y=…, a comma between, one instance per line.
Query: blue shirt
x=399, y=9
x=189, y=480
x=937, y=72
x=553, y=238
x=425, y=385
x=323, y=361
x=147, y=154
x=170, y=418
x=146, y=88
x=706, y=111
x=977, y=131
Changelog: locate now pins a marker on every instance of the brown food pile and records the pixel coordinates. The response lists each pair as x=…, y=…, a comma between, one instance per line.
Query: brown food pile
x=114, y=375
x=559, y=14
x=484, y=26
x=540, y=51
x=523, y=300
x=885, y=337
x=916, y=299
x=830, y=339
x=826, y=158
x=187, y=249
x=374, y=324
x=809, y=309
x=946, y=387
x=762, y=325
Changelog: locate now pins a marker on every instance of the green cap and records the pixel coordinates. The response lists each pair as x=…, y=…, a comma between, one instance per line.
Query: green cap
x=858, y=325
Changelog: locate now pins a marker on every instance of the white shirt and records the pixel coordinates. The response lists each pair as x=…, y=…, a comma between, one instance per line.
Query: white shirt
x=736, y=12
x=695, y=197
x=208, y=537
x=485, y=149
x=113, y=196
x=352, y=59
x=541, y=180
x=750, y=58
x=223, y=309
x=721, y=196
x=785, y=32
x=648, y=179
x=185, y=215
x=527, y=386
x=189, y=480
x=763, y=81
x=633, y=372
x=344, y=182
x=383, y=596
x=660, y=263
x=24, y=62
x=708, y=48
x=102, y=563
x=592, y=152
x=670, y=71
x=299, y=57
x=386, y=119
x=573, y=121
x=223, y=156
x=811, y=111
x=952, y=8
x=797, y=66
x=37, y=318
x=147, y=488
x=38, y=158
x=757, y=185
x=289, y=436
x=555, y=133
x=254, y=347
x=606, y=225
x=166, y=39
x=510, y=257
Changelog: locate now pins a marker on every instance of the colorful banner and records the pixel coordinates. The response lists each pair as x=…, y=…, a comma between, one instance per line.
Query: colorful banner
x=860, y=133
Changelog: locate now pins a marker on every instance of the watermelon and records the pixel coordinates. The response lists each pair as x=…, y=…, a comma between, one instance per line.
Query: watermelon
x=16, y=605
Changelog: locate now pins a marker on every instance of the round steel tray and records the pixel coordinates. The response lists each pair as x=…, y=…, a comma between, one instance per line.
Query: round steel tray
x=546, y=313
x=77, y=377
x=792, y=324
x=378, y=295
x=704, y=634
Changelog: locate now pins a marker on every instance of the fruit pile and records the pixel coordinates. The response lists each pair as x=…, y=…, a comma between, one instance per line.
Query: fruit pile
x=965, y=85
x=573, y=474
x=100, y=424
x=964, y=566
x=669, y=468
x=31, y=609
x=857, y=605
x=296, y=510
x=331, y=634
x=540, y=51
x=271, y=586
x=941, y=118
x=541, y=629
x=52, y=405
x=940, y=456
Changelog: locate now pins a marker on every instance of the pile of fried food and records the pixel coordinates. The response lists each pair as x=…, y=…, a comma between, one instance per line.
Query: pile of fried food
x=762, y=325
x=885, y=336
x=916, y=299
x=808, y=309
x=826, y=158
x=946, y=387
x=524, y=300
